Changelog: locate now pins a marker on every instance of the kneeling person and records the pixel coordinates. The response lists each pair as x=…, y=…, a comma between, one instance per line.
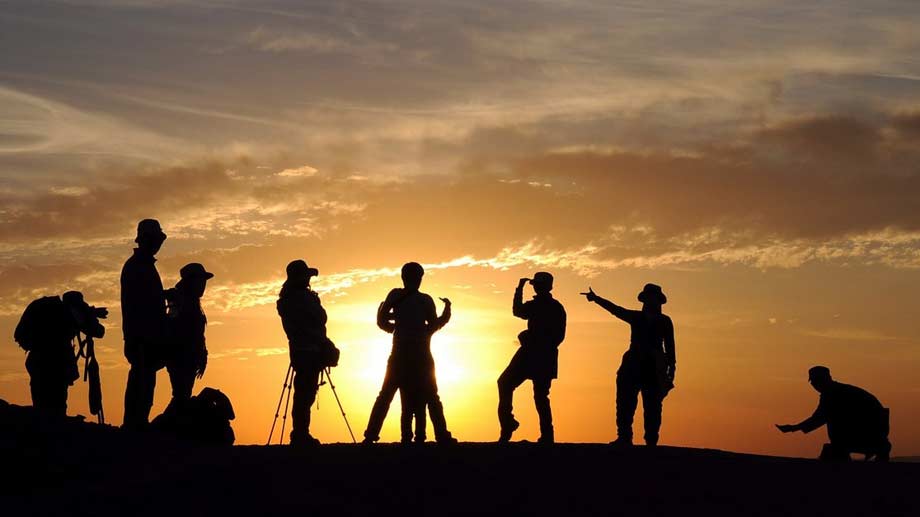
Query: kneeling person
x=856, y=421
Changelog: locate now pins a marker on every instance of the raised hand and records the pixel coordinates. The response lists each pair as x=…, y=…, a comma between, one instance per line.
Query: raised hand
x=522, y=281
x=590, y=295
x=446, y=301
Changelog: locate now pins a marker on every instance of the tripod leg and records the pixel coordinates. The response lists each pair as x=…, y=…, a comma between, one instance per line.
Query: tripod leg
x=277, y=409
x=337, y=401
x=287, y=404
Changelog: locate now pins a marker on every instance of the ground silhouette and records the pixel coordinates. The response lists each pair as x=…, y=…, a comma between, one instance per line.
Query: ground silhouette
x=90, y=469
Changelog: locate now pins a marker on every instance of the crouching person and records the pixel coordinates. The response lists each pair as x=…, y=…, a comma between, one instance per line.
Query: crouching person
x=304, y=322
x=856, y=421
x=46, y=331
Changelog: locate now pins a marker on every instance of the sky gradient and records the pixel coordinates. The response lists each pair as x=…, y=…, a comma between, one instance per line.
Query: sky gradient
x=761, y=163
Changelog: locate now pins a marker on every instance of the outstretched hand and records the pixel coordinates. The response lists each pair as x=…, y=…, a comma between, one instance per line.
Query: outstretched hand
x=590, y=295
x=786, y=428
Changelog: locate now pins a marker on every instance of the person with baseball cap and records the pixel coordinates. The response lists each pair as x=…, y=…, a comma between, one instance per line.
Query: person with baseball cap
x=648, y=366
x=187, y=356
x=537, y=358
x=143, y=310
x=304, y=322
x=856, y=420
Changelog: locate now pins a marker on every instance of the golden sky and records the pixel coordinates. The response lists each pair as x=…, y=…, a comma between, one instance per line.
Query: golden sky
x=759, y=162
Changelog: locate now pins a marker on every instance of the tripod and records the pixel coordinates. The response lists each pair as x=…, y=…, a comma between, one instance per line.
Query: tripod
x=288, y=387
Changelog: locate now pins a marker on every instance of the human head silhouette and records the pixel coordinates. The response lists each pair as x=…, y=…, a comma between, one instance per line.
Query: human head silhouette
x=194, y=278
x=412, y=273
x=149, y=236
x=820, y=378
x=299, y=273
x=652, y=297
x=542, y=282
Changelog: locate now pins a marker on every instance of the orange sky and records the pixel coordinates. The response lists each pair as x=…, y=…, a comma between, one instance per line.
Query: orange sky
x=760, y=163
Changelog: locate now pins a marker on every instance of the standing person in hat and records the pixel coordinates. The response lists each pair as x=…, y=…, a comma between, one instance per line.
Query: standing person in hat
x=537, y=358
x=648, y=366
x=187, y=357
x=304, y=322
x=411, y=316
x=143, y=312
x=856, y=421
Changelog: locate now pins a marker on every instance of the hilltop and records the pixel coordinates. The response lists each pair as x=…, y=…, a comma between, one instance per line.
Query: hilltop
x=87, y=469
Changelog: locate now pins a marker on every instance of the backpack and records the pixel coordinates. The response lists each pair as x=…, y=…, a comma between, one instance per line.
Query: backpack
x=39, y=323
x=203, y=419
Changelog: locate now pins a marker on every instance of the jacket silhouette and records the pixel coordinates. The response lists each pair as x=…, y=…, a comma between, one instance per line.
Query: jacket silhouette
x=412, y=318
x=47, y=331
x=856, y=421
x=536, y=358
x=648, y=366
x=187, y=355
x=304, y=322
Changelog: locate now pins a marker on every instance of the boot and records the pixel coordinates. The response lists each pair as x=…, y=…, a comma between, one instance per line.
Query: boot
x=507, y=430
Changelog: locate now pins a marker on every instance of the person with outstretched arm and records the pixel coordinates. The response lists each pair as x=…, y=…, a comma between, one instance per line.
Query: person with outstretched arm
x=856, y=421
x=648, y=366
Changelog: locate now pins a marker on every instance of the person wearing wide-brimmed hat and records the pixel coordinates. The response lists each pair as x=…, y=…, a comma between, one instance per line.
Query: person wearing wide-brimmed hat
x=143, y=314
x=648, y=366
x=187, y=356
x=304, y=322
x=537, y=357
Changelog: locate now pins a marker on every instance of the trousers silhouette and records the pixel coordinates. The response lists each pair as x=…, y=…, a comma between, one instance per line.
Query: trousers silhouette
x=636, y=376
x=306, y=384
x=142, y=381
x=182, y=379
x=513, y=376
x=49, y=395
x=395, y=376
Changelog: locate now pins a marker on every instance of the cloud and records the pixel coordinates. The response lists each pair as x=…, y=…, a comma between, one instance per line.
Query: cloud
x=298, y=172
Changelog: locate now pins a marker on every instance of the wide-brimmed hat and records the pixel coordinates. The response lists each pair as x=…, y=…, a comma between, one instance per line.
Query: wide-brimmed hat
x=651, y=293
x=149, y=227
x=300, y=269
x=194, y=270
x=542, y=278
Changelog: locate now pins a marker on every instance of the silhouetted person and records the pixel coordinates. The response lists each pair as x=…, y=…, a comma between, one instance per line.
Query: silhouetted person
x=648, y=366
x=856, y=421
x=187, y=357
x=304, y=322
x=143, y=310
x=46, y=330
x=412, y=318
x=537, y=358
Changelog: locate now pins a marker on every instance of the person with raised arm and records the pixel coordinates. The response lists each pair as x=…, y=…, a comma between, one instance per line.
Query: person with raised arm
x=648, y=365
x=537, y=358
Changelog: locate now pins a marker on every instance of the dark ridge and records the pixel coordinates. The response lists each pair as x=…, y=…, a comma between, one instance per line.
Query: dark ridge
x=70, y=467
